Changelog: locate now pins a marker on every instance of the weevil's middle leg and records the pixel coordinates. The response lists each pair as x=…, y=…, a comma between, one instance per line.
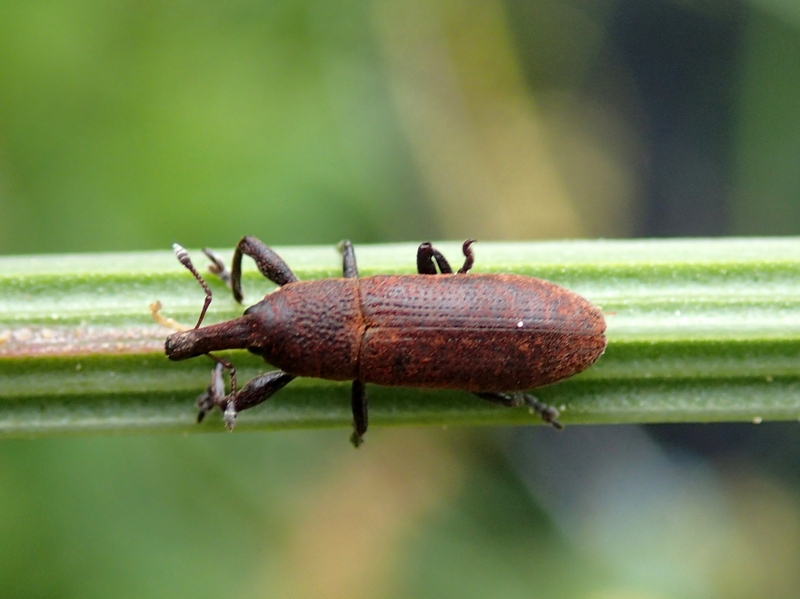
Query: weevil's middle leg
x=358, y=400
x=547, y=412
x=348, y=259
x=268, y=262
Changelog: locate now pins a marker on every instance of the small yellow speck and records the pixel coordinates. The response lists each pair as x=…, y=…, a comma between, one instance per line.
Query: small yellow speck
x=155, y=308
x=757, y=420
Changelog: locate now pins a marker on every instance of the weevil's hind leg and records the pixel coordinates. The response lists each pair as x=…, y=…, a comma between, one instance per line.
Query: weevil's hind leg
x=546, y=412
x=269, y=264
x=348, y=259
x=256, y=391
x=469, y=256
x=428, y=258
x=358, y=400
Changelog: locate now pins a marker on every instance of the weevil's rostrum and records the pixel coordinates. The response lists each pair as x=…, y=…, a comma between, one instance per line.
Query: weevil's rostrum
x=490, y=334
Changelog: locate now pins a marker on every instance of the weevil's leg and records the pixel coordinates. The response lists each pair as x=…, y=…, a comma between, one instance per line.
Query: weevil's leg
x=213, y=395
x=183, y=258
x=469, y=257
x=256, y=391
x=358, y=399
x=547, y=412
x=217, y=267
x=269, y=264
x=426, y=256
x=348, y=259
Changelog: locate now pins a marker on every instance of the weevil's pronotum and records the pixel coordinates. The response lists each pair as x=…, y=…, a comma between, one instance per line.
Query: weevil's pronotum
x=495, y=335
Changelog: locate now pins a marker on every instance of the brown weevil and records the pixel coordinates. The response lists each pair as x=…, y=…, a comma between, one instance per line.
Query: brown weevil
x=495, y=335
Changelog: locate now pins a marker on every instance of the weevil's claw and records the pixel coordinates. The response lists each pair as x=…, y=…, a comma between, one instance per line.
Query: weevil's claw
x=356, y=440
x=546, y=412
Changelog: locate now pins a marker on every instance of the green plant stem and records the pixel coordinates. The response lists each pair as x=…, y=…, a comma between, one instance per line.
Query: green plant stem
x=698, y=330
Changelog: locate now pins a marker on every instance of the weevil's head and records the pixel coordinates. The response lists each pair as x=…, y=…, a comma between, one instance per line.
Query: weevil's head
x=245, y=332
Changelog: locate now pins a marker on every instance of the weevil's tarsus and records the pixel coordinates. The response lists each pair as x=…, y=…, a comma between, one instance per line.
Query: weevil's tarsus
x=164, y=321
x=217, y=266
x=229, y=414
x=183, y=258
x=546, y=412
x=514, y=400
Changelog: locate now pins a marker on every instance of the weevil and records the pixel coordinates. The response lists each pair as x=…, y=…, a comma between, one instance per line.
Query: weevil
x=494, y=335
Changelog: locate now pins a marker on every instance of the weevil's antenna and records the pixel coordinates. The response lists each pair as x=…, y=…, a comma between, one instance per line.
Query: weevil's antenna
x=183, y=258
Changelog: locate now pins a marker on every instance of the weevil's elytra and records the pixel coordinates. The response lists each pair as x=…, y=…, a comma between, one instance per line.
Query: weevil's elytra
x=490, y=334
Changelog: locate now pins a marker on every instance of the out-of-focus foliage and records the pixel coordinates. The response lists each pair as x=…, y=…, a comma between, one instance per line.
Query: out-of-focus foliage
x=134, y=125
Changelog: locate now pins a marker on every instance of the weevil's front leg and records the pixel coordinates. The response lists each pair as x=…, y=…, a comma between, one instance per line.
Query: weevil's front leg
x=358, y=400
x=348, y=259
x=358, y=393
x=547, y=412
x=256, y=391
x=268, y=262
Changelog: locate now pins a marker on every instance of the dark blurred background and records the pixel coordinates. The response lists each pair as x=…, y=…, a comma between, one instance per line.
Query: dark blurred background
x=131, y=125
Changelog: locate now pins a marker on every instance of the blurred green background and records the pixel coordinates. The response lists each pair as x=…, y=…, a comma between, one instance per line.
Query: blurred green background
x=128, y=126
